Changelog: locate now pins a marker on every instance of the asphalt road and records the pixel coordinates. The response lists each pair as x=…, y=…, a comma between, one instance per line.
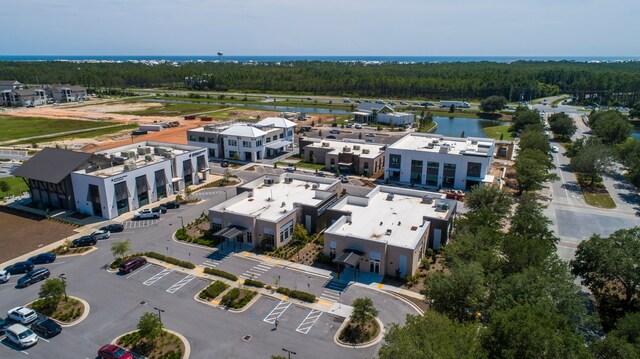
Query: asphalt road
x=117, y=302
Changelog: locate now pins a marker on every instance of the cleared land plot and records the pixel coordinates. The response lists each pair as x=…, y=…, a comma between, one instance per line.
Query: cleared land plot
x=170, y=109
x=88, y=134
x=12, y=128
x=23, y=233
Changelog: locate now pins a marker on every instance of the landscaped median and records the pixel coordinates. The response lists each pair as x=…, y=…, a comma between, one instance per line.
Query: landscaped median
x=153, y=341
x=363, y=328
x=113, y=266
x=55, y=303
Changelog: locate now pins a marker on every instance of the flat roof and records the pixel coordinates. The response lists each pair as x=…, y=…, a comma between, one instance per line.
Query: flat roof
x=393, y=215
x=424, y=142
x=272, y=201
x=358, y=149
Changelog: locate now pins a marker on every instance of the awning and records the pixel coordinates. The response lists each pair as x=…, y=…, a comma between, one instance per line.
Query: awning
x=202, y=165
x=187, y=167
x=177, y=179
x=141, y=184
x=229, y=232
x=348, y=164
x=122, y=191
x=161, y=178
x=278, y=144
x=348, y=258
x=93, y=195
x=362, y=113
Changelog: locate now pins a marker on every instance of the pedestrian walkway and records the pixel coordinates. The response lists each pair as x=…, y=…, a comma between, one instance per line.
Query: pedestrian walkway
x=256, y=271
x=214, y=259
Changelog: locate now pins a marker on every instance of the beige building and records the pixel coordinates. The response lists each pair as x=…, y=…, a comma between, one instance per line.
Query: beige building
x=349, y=156
x=266, y=210
x=387, y=231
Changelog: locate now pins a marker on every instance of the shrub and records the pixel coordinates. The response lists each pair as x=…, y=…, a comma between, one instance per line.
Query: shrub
x=181, y=235
x=297, y=294
x=221, y=273
x=254, y=283
x=213, y=290
x=231, y=296
x=171, y=260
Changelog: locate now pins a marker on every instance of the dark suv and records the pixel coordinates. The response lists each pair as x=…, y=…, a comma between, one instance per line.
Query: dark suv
x=46, y=327
x=19, y=268
x=132, y=264
x=85, y=241
x=34, y=276
x=171, y=205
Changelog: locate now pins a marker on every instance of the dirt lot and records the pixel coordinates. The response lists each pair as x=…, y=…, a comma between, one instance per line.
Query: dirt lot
x=23, y=233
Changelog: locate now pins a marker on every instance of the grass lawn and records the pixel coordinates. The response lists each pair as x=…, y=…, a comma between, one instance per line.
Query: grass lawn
x=12, y=128
x=301, y=164
x=88, y=134
x=166, y=345
x=498, y=131
x=237, y=298
x=16, y=186
x=596, y=195
x=427, y=128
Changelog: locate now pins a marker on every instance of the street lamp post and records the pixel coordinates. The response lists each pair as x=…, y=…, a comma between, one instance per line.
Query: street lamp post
x=289, y=352
x=64, y=285
x=159, y=313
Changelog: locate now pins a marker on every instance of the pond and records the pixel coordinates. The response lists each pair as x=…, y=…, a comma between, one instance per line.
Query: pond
x=454, y=126
x=263, y=107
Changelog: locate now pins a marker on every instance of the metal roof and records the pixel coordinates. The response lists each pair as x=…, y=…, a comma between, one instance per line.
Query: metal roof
x=52, y=165
x=278, y=144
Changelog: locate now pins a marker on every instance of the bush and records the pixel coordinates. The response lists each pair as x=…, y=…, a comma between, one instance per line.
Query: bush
x=232, y=298
x=221, y=273
x=181, y=235
x=170, y=260
x=254, y=283
x=297, y=294
x=213, y=290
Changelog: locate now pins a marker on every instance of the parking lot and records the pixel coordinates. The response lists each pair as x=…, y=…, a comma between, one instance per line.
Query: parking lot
x=166, y=281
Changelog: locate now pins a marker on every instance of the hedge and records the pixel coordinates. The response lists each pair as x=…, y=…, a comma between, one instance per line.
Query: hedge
x=297, y=294
x=254, y=283
x=232, y=298
x=171, y=260
x=213, y=290
x=221, y=273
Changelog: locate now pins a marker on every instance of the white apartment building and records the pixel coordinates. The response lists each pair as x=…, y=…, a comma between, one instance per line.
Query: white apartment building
x=440, y=162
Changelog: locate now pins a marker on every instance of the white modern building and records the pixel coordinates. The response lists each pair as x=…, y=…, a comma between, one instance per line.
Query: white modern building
x=266, y=210
x=245, y=141
x=112, y=182
x=440, y=162
x=388, y=230
x=374, y=113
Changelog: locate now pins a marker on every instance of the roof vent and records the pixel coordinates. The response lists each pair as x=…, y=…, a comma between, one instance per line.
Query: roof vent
x=442, y=207
x=427, y=199
x=390, y=197
x=388, y=233
x=346, y=149
x=399, y=223
x=282, y=204
x=268, y=181
x=250, y=194
x=288, y=180
x=325, y=144
x=380, y=222
x=365, y=151
x=315, y=186
x=356, y=147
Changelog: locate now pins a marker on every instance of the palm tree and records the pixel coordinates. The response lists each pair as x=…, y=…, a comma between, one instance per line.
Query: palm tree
x=363, y=311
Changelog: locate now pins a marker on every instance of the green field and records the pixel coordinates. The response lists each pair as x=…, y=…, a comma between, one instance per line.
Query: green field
x=172, y=109
x=496, y=131
x=88, y=134
x=12, y=128
x=16, y=186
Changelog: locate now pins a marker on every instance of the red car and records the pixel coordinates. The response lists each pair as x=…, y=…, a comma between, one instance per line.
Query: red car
x=111, y=351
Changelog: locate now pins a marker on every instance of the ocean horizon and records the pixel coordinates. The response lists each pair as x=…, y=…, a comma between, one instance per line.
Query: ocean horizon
x=258, y=58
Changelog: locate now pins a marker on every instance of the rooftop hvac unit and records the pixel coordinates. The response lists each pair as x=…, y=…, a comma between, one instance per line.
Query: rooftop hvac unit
x=388, y=233
x=356, y=147
x=315, y=186
x=390, y=197
x=427, y=199
x=365, y=151
x=444, y=149
x=162, y=150
x=250, y=194
x=148, y=158
x=288, y=180
x=129, y=166
x=430, y=145
x=144, y=150
x=268, y=181
x=442, y=207
x=435, y=142
x=119, y=159
x=346, y=149
x=168, y=155
x=325, y=144
x=128, y=154
x=474, y=142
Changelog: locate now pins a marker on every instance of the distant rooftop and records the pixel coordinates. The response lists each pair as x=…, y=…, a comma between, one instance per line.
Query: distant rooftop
x=272, y=197
x=246, y=128
x=364, y=150
x=474, y=146
x=393, y=215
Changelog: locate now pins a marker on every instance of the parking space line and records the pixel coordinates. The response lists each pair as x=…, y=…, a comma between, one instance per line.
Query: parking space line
x=277, y=312
x=157, y=277
x=309, y=321
x=181, y=283
x=41, y=338
x=138, y=271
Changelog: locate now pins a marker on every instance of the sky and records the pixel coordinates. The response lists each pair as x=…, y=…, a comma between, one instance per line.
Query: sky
x=317, y=28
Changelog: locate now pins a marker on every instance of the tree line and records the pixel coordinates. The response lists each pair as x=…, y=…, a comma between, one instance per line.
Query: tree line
x=604, y=83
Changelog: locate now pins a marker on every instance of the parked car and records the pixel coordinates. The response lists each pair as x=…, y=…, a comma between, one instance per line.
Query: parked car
x=43, y=258
x=84, y=241
x=113, y=228
x=171, y=205
x=101, y=234
x=22, y=315
x=19, y=268
x=331, y=137
x=34, y=276
x=4, y=276
x=555, y=149
x=146, y=214
x=369, y=140
x=3, y=325
x=111, y=351
x=371, y=135
x=290, y=169
x=349, y=125
x=159, y=209
x=337, y=132
x=358, y=126
x=344, y=179
x=132, y=264
x=45, y=327
x=320, y=174
x=21, y=336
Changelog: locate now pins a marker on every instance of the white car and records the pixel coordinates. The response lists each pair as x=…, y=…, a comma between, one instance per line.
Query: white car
x=101, y=234
x=4, y=276
x=146, y=214
x=358, y=126
x=21, y=336
x=555, y=149
x=22, y=315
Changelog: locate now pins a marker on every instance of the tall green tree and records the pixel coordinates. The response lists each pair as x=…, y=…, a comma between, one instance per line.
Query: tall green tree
x=562, y=125
x=622, y=342
x=592, y=159
x=431, y=335
x=524, y=118
x=493, y=104
x=490, y=198
x=52, y=291
x=532, y=170
x=150, y=326
x=610, y=126
x=363, y=311
x=121, y=248
x=533, y=139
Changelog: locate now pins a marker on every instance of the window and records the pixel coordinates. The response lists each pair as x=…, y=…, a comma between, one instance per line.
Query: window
x=192, y=138
x=268, y=240
x=232, y=153
x=286, y=231
x=416, y=171
x=449, y=175
x=249, y=237
x=201, y=139
x=211, y=140
x=473, y=169
x=232, y=142
x=215, y=227
x=268, y=139
x=394, y=161
x=332, y=249
x=246, y=143
x=433, y=169
x=282, y=135
x=258, y=143
x=275, y=137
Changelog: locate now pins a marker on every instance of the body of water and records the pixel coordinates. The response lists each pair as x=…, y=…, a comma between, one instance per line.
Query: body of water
x=258, y=58
x=454, y=126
